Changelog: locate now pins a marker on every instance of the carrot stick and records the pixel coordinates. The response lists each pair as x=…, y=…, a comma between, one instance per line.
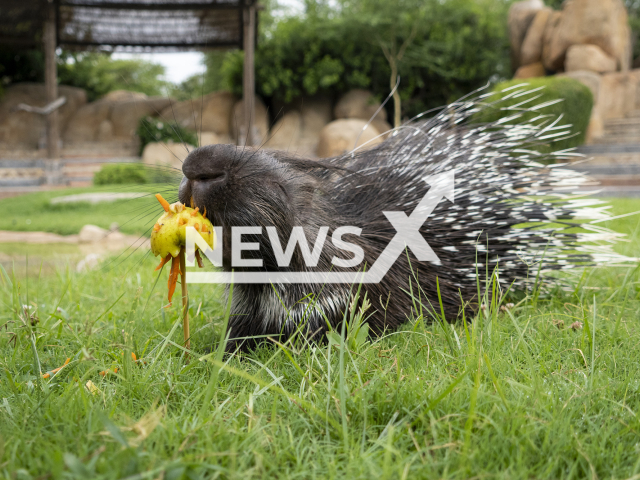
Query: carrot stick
x=163, y=202
x=173, y=276
x=185, y=302
x=163, y=261
x=56, y=370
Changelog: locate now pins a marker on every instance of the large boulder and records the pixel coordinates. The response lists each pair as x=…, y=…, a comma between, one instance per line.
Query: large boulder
x=588, y=78
x=123, y=96
x=210, y=113
x=521, y=16
x=531, y=50
x=589, y=57
x=285, y=133
x=260, y=120
x=92, y=234
x=315, y=112
x=304, y=117
x=27, y=130
x=553, y=23
x=618, y=94
x=212, y=138
x=113, y=118
x=344, y=135
x=166, y=154
x=298, y=129
x=87, y=122
x=357, y=103
x=125, y=116
x=598, y=22
x=593, y=81
x=530, y=71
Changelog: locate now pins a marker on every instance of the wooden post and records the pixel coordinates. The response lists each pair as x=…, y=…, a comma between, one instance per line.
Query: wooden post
x=51, y=81
x=248, y=85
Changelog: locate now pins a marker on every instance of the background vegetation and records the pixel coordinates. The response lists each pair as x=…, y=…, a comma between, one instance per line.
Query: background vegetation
x=576, y=102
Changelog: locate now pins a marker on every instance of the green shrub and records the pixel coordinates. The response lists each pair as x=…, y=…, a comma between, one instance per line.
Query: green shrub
x=133, y=173
x=154, y=130
x=576, y=105
x=120, y=173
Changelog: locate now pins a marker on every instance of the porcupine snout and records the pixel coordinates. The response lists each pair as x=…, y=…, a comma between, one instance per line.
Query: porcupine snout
x=206, y=172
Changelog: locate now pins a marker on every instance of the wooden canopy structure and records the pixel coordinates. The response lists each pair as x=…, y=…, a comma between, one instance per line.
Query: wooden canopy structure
x=134, y=26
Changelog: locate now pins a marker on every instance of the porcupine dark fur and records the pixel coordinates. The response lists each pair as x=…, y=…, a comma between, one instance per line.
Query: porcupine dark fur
x=500, y=185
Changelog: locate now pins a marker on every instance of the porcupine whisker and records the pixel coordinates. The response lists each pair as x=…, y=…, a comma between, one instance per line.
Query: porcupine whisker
x=141, y=239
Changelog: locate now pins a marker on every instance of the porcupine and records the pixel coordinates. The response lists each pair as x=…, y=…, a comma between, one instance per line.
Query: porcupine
x=504, y=196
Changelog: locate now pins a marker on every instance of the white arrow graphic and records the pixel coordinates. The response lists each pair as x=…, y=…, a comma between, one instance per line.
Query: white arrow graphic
x=407, y=236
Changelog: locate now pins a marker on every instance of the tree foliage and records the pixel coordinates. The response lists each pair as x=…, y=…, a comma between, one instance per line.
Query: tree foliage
x=100, y=74
x=459, y=45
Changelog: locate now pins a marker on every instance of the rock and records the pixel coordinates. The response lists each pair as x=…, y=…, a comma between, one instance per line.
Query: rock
x=595, y=130
x=618, y=94
x=110, y=120
x=92, y=234
x=531, y=50
x=521, y=15
x=593, y=81
x=340, y=136
x=588, y=78
x=211, y=138
x=285, y=133
x=85, y=125
x=298, y=124
x=90, y=262
x=530, y=71
x=171, y=154
x=260, y=122
x=24, y=129
x=598, y=22
x=358, y=104
x=105, y=131
x=125, y=116
x=382, y=126
x=553, y=24
x=315, y=112
x=589, y=57
x=123, y=96
x=210, y=113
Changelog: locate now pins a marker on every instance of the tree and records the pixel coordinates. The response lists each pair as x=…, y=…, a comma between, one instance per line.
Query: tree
x=394, y=26
x=100, y=74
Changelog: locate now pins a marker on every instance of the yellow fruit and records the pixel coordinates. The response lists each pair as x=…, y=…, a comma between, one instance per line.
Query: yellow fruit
x=169, y=237
x=169, y=232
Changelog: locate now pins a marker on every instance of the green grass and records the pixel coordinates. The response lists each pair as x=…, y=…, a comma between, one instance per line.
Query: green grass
x=515, y=394
x=35, y=212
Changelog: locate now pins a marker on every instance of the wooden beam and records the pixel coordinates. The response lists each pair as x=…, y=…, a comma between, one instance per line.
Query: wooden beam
x=248, y=81
x=51, y=81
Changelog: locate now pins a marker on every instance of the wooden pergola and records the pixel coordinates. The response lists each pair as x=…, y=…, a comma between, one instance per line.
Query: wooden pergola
x=130, y=25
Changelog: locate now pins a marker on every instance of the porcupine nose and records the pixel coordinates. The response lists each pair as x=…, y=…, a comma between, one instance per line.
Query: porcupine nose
x=210, y=179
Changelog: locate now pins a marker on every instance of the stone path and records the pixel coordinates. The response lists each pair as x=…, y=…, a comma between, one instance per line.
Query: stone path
x=93, y=198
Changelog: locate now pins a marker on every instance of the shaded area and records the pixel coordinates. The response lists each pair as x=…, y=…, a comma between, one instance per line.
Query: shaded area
x=159, y=24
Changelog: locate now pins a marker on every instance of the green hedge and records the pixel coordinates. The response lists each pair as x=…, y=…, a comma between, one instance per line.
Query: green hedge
x=575, y=107
x=132, y=173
